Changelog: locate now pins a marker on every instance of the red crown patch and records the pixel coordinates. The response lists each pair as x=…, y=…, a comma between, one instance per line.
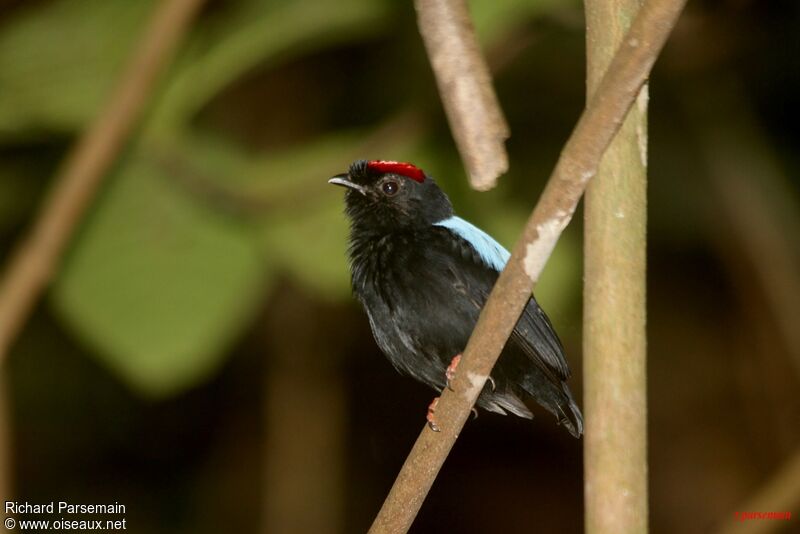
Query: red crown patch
x=396, y=167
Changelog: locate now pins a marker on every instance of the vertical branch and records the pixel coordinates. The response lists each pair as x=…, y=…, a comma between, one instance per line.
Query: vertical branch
x=37, y=256
x=614, y=338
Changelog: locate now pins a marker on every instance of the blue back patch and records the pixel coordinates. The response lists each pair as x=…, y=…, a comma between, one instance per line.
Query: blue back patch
x=490, y=251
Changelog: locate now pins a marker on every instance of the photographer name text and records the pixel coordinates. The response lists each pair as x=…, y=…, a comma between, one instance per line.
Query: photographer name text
x=63, y=507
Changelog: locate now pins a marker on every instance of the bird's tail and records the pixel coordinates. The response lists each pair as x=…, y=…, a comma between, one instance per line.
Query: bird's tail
x=573, y=421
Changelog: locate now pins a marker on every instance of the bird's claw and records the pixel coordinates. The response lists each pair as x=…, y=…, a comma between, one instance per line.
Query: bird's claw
x=450, y=373
x=431, y=421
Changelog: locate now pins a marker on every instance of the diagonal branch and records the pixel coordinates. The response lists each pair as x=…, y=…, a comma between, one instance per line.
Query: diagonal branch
x=577, y=165
x=38, y=254
x=465, y=85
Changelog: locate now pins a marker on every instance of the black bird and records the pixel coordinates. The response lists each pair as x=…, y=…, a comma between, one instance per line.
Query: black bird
x=423, y=274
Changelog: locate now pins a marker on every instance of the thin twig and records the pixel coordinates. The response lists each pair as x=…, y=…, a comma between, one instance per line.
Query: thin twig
x=614, y=333
x=577, y=165
x=465, y=85
x=38, y=254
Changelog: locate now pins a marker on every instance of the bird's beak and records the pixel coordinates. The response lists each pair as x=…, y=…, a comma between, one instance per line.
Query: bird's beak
x=344, y=179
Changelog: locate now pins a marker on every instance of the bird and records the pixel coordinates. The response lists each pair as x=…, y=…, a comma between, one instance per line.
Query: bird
x=423, y=274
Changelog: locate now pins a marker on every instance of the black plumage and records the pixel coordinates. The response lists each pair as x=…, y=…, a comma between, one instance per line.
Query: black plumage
x=423, y=274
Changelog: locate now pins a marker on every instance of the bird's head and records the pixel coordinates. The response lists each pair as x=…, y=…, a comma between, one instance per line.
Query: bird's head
x=386, y=195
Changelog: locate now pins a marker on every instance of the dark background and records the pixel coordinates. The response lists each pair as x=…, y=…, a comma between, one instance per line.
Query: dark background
x=199, y=357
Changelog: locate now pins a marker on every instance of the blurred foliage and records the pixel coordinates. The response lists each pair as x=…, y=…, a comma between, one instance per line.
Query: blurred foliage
x=58, y=62
x=157, y=282
x=494, y=20
x=170, y=264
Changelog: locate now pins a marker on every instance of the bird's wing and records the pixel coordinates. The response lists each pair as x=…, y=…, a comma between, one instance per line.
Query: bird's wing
x=533, y=334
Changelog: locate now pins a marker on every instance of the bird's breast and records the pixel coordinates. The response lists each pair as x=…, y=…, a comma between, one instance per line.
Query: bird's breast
x=384, y=267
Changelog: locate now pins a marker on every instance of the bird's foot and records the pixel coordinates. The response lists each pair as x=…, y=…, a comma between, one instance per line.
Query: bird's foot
x=451, y=370
x=431, y=421
x=450, y=374
x=432, y=409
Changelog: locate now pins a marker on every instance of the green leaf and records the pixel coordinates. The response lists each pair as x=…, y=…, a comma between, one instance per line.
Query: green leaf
x=259, y=34
x=494, y=19
x=157, y=282
x=312, y=248
x=59, y=59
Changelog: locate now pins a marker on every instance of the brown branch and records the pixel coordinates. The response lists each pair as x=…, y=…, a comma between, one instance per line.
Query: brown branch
x=465, y=85
x=577, y=165
x=614, y=334
x=37, y=256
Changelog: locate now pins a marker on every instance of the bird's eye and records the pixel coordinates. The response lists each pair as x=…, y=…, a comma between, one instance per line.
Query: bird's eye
x=390, y=188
